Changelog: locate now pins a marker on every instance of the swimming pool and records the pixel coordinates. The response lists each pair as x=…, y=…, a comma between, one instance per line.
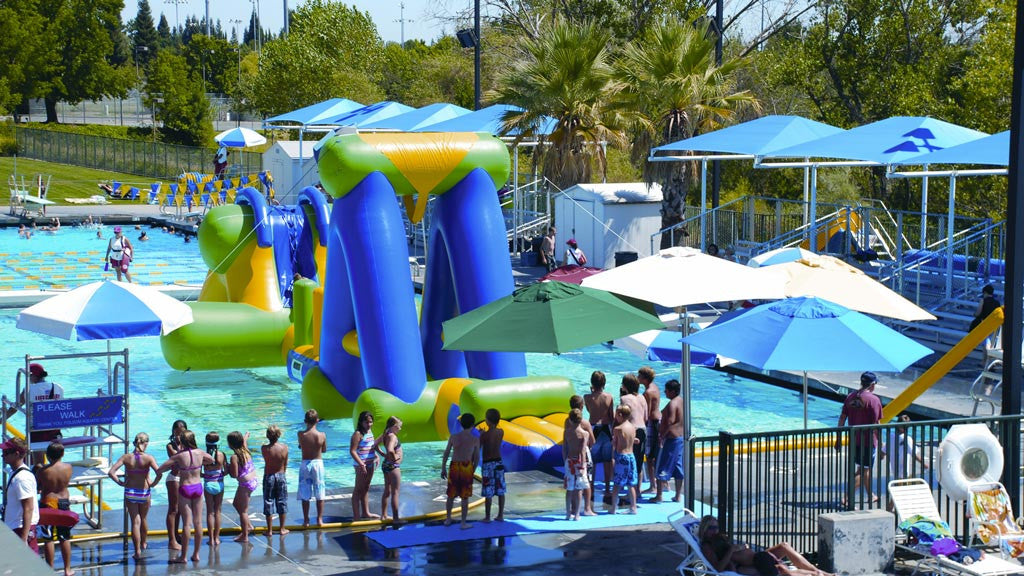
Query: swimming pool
x=227, y=400
x=74, y=256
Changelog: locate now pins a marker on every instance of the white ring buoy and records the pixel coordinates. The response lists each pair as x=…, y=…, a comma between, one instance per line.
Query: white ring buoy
x=969, y=453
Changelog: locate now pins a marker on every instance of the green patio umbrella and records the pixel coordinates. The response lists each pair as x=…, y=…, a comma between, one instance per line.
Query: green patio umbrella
x=551, y=317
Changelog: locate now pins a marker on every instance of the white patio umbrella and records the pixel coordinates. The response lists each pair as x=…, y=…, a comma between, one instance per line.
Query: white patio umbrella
x=239, y=138
x=832, y=279
x=680, y=277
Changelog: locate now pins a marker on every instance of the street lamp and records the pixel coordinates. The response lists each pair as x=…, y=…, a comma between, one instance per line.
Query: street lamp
x=177, y=20
x=238, y=84
x=138, y=83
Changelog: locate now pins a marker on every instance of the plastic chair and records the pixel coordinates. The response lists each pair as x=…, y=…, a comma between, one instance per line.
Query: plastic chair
x=913, y=497
x=992, y=520
x=694, y=562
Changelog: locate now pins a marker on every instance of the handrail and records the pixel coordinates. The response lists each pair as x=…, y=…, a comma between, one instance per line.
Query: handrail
x=965, y=237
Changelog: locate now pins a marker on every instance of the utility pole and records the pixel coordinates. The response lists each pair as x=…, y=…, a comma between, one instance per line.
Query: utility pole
x=402, y=20
x=238, y=85
x=476, y=54
x=286, y=17
x=207, y=18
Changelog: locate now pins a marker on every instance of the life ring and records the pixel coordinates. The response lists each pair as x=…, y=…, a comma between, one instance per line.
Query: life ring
x=969, y=453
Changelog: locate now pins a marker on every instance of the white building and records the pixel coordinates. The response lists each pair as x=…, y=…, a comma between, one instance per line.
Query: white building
x=291, y=171
x=608, y=218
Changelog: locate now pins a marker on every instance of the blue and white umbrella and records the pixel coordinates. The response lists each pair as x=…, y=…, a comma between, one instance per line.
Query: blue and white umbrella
x=239, y=138
x=106, y=310
x=809, y=334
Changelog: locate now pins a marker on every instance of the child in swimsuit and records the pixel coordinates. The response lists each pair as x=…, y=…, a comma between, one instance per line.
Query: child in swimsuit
x=390, y=447
x=173, y=446
x=137, y=465
x=241, y=468
x=213, y=487
x=364, y=459
x=189, y=462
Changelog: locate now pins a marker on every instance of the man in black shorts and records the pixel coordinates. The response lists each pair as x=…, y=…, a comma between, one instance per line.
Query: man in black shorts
x=859, y=409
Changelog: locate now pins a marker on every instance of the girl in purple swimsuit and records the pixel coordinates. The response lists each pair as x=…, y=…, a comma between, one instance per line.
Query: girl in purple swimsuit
x=242, y=469
x=189, y=462
x=136, y=483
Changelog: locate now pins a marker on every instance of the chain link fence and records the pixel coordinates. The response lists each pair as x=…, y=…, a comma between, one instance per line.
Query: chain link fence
x=148, y=159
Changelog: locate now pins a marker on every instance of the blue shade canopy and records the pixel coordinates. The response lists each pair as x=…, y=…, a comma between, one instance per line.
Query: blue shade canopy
x=104, y=310
x=484, y=120
x=315, y=113
x=991, y=150
x=415, y=119
x=756, y=137
x=369, y=114
x=809, y=334
x=889, y=141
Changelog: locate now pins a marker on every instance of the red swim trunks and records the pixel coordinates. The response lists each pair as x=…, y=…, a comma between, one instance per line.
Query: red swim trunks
x=460, y=480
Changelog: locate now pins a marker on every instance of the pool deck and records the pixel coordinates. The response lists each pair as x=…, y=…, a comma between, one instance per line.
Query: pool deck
x=644, y=549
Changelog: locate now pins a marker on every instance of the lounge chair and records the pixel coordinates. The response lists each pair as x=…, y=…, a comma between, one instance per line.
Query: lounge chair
x=992, y=520
x=694, y=562
x=913, y=497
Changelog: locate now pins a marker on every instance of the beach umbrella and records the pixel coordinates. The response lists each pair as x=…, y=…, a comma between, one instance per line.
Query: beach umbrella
x=239, y=138
x=571, y=274
x=550, y=317
x=809, y=334
x=832, y=279
x=681, y=277
x=662, y=346
x=780, y=256
x=105, y=310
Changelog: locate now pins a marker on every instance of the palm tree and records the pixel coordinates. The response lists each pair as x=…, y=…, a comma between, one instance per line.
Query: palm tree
x=565, y=74
x=671, y=89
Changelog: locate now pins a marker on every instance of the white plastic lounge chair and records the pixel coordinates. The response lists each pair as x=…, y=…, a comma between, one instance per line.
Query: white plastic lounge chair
x=694, y=562
x=913, y=496
x=992, y=520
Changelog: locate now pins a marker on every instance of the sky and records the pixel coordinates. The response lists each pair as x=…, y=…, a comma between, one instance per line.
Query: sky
x=385, y=13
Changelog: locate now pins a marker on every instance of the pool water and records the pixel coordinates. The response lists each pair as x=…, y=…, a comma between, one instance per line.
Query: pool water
x=73, y=256
x=250, y=400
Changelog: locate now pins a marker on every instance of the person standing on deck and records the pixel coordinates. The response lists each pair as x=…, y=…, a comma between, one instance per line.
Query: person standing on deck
x=859, y=409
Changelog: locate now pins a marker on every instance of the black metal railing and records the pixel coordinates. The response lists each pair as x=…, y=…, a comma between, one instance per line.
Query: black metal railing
x=766, y=487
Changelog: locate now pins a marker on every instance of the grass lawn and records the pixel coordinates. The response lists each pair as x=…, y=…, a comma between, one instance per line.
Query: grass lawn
x=65, y=181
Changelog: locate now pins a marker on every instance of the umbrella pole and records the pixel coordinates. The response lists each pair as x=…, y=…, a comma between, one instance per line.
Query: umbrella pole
x=109, y=376
x=805, y=399
x=684, y=374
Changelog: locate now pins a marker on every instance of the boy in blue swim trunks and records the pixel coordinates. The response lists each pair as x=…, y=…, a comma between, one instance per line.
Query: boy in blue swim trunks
x=625, y=462
x=492, y=472
x=670, y=458
x=601, y=407
x=275, y=482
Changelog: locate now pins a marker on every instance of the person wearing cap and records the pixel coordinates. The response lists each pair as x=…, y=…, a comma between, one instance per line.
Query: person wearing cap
x=20, y=494
x=862, y=408
x=119, y=254
x=573, y=254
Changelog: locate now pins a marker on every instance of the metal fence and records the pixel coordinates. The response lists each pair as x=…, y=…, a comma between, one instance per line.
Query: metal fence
x=771, y=486
x=148, y=159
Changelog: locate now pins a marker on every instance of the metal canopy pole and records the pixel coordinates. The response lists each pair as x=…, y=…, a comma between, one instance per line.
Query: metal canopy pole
x=1014, y=274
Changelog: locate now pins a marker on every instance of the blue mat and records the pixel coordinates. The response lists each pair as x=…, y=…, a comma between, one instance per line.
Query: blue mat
x=419, y=534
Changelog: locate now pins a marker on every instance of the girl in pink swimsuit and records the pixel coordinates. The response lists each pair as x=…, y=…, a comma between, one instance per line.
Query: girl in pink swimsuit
x=136, y=483
x=242, y=469
x=189, y=462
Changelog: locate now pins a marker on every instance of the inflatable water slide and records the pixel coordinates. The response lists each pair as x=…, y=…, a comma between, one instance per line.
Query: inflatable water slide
x=329, y=293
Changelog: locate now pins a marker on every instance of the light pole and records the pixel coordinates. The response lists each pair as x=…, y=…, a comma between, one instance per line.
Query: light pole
x=256, y=26
x=177, y=20
x=138, y=83
x=238, y=84
x=476, y=55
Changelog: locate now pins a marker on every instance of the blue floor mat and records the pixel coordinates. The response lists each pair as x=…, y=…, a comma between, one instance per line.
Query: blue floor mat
x=420, y=534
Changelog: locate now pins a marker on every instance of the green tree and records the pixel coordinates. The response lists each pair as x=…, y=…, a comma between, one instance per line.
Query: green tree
x=331, y=50
x=83, y=35
x=671, y=90
x=24, y=52
x=145, y=39
x=175, y=92
x=564, y=74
